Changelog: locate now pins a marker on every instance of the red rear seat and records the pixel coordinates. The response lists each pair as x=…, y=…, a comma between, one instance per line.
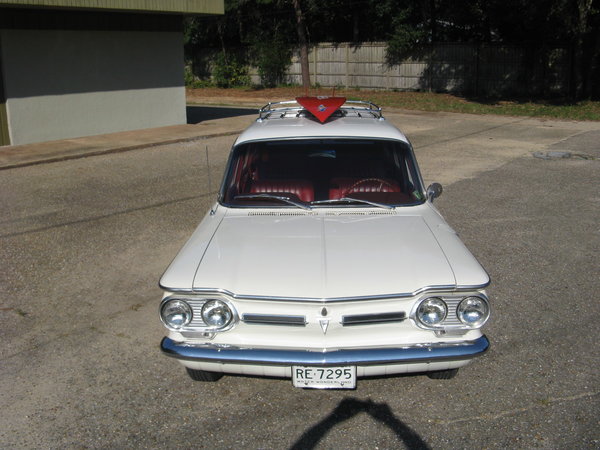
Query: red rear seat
x=302, y=188
x=340, y=187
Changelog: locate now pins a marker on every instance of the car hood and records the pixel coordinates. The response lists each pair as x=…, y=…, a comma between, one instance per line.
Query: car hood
x=324, y=256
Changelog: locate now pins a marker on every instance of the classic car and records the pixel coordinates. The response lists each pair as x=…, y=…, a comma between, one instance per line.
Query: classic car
x=323, y=259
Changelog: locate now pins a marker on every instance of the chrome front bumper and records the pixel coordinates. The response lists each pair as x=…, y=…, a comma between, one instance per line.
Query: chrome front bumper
x=357, y=357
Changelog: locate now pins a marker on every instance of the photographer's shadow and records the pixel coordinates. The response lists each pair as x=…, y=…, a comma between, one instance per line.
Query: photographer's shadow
x=350, y=407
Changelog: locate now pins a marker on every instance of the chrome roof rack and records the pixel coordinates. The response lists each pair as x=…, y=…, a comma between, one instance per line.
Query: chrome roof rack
x=291, y=108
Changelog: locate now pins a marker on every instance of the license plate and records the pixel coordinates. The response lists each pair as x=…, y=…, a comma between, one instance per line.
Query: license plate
x=324, y=377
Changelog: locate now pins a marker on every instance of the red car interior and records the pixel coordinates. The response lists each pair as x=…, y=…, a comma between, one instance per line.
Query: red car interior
x=322, y=171
x=301, y=188
x=342, y=187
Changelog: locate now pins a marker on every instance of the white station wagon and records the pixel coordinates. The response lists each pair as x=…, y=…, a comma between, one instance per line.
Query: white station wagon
x=323, y=259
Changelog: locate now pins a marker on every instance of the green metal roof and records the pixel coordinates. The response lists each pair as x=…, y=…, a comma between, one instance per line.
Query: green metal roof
x=158, y=6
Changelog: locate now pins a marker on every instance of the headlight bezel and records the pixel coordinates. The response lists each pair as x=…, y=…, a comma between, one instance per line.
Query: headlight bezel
x=452, y=322
x=196, y=303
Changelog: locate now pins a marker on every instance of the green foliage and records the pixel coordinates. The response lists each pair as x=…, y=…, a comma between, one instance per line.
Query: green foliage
x=188, y=76
x=405, y=27
x=401, y=42
x=229, y=72
x=192, y=81
x=272, y=59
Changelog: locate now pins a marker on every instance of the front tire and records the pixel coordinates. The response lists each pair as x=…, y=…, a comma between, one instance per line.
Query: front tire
x=443, y=374
x=202, y=375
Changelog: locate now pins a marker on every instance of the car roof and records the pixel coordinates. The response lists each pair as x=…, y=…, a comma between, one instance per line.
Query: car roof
x=289, y=120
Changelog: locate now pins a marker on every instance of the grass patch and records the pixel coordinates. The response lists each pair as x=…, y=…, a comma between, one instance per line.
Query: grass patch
x=419, y=101
x=423, y=101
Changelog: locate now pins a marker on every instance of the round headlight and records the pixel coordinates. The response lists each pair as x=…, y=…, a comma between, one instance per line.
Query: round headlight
x=216, y=313
x=473, y=311
x=176, y=314
x=432, y=311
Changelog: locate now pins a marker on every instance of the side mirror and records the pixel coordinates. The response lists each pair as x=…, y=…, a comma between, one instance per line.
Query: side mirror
x=434, y=191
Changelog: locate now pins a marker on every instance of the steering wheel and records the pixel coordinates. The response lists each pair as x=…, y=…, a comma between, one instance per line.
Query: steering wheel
x=369, y=180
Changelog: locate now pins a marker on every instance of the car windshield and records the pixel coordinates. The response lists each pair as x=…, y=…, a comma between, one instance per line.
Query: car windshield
x=322, y=173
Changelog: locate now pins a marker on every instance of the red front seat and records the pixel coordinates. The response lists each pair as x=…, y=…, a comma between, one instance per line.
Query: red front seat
x=301, y=188
x=341, y=187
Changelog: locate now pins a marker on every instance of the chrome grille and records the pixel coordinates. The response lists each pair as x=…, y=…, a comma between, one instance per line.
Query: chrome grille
x=361, y=213
x=196, y=305
x=281, y=214
x=452, y=318
x=269, y=319
x=370, y=319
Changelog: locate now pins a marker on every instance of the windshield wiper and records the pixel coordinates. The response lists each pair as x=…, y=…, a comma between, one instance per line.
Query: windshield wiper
x=281, y=198
x=350, y=200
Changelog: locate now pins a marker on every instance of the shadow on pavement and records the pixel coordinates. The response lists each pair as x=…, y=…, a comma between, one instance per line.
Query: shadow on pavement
x=197, y=114
x=350, y=407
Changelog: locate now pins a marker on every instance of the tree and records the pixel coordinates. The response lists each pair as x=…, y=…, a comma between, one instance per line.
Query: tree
x=263, y=27
x=303, y=42
x=585, y=38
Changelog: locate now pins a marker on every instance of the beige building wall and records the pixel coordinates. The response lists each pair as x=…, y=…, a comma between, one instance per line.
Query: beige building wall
x=69, y=83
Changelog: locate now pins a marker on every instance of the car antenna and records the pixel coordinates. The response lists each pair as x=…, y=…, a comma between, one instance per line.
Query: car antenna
x=208, y=171
x=213, y=210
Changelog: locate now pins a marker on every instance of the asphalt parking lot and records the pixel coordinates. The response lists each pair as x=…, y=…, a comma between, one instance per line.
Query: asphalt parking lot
x=84, y=241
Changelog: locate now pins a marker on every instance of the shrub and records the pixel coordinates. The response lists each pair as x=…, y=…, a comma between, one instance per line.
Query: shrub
x=188, y=76
x=272, y=58
x=192, y=81
x=229, y=72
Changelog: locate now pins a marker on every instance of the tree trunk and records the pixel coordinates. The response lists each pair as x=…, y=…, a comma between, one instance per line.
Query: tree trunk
x=222, y=39
x=591, y=60
x=594, y=72
x=303, y=45
x=584, y=9
x=433, y=21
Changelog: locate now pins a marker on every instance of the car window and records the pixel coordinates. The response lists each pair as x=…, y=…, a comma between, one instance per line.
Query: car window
x=321, y=172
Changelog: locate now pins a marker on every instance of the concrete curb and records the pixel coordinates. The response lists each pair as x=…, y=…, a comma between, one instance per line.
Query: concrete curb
x=83, y=153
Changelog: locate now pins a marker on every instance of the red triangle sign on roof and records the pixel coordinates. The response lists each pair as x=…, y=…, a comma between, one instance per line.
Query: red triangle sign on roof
x=321, y=107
